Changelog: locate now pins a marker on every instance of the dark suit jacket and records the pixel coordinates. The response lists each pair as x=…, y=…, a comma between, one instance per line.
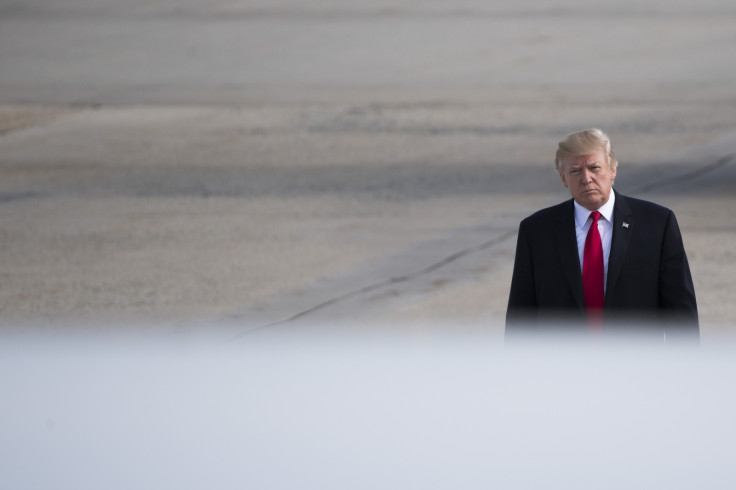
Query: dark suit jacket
x=648, y=285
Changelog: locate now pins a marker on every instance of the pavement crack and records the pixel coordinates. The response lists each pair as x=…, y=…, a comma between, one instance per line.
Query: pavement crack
x=688, y=176
x=391, y=281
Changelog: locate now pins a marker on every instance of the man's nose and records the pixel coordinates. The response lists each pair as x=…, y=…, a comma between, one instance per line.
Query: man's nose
x=585, y=175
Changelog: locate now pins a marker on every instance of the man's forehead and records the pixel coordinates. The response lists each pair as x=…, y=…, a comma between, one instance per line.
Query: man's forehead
x=586, y=159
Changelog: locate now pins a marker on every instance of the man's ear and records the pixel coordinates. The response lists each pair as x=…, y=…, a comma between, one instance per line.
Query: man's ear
x=564, y=181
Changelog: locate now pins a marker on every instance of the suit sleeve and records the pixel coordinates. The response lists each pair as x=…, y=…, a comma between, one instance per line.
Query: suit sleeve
x=522, y=298
x=676, y=289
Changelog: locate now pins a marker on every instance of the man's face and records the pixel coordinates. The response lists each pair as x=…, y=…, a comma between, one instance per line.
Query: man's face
x=589, y=178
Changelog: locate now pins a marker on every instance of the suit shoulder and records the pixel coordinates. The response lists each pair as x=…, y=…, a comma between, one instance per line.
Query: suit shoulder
x=640, y=206
x=547, y=214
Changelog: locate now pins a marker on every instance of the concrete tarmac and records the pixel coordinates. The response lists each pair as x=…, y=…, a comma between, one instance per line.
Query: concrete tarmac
x=336, y=165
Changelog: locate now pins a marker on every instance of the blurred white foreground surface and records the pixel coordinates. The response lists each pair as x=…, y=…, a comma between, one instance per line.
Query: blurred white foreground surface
x=135, y=413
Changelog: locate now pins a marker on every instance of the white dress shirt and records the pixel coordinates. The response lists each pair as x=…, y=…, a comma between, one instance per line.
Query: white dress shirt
x=605, y=228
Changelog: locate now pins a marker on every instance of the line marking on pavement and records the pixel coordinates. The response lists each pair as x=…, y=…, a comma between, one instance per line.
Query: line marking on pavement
x=391, y=281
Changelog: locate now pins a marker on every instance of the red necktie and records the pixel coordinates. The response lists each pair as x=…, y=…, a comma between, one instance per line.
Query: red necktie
x=593, y=272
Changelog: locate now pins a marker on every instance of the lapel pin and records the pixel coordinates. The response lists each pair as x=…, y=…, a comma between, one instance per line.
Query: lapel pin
x=626, y=225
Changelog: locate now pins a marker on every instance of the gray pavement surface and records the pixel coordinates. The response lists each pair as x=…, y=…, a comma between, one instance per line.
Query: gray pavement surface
x=338, y=165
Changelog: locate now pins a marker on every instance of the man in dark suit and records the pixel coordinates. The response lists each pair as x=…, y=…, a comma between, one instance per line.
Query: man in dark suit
x=600, y=261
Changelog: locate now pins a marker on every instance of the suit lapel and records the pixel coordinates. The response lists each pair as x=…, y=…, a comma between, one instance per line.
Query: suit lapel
x=622, y=226
x=567, y=247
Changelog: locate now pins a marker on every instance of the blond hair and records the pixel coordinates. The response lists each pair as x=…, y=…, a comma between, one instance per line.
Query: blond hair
x=585, y=142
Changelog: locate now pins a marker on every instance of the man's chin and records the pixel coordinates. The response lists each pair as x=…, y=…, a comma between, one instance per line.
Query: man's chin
x=591, y=202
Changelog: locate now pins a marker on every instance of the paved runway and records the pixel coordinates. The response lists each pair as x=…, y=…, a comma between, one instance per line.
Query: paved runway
x=338, y=164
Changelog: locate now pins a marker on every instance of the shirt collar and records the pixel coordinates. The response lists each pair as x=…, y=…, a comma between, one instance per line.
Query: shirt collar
x=582, y=214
